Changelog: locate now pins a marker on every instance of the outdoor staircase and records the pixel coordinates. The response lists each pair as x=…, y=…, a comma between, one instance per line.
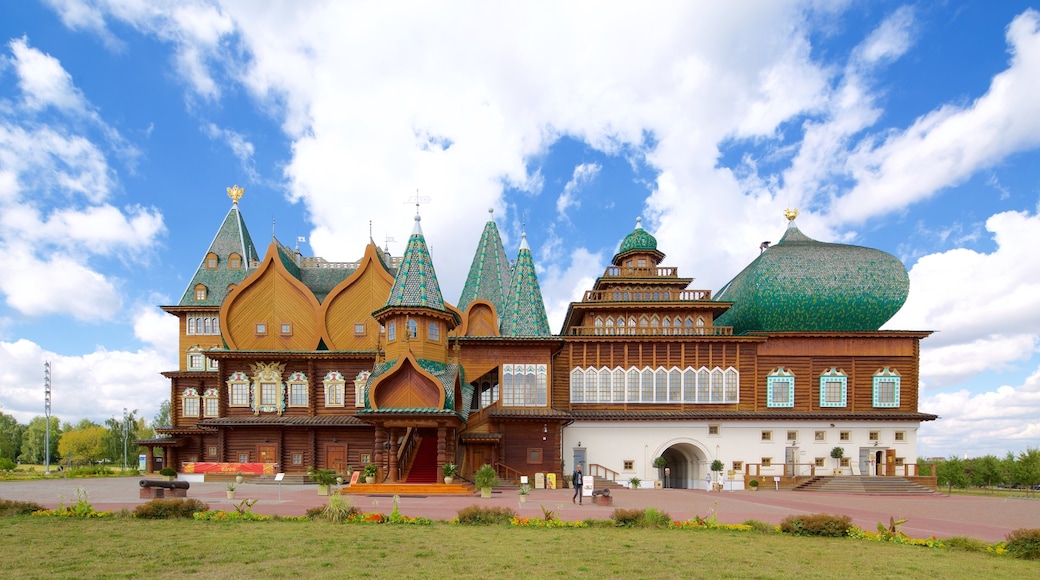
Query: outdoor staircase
x=412, y=489
x=862, y=484
x=424, y=466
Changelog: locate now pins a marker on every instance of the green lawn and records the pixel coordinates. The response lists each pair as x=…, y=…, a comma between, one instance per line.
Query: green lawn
x=74, y=548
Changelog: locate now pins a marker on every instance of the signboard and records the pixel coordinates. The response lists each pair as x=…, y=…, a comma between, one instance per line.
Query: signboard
x=354, y=477
x=588, y=483
x=230, y=468
x=279, y=477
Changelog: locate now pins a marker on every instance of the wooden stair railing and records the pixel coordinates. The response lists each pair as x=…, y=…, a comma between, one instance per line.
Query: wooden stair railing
x=600, y=472
x=508, y=473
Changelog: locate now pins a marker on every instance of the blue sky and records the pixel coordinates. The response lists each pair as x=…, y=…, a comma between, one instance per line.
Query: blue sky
x=913, y=128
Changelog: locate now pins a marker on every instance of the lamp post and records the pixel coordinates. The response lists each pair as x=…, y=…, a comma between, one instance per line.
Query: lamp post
x=126, y=435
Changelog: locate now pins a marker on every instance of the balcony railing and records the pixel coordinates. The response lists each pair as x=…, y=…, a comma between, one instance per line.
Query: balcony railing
x=651, y=331
x=630, y=272
x=646, y=295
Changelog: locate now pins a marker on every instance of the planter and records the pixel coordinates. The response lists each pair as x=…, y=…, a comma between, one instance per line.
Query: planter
x=448, y=480
x=339, y=481
x=323, y=489
x=239, y=479
x=168, y=477
x=485, y=492
x=370, y=479
x=523, y=499
x=231, y=495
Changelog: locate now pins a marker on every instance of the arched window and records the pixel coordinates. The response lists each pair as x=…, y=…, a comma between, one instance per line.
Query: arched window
x=191, y=325
x=234, y=262
x=200, y=293
x=413, y=328
x=211, y=261
x=599, y=326
x=700, y=325
x=206, y=326
x=610, y=326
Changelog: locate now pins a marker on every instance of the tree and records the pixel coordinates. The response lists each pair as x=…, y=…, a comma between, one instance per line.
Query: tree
x=951, y=473
x=33, y=440
x=162, y=418
x=119, y=439
x=10, y=437
x=1028, y=467
x=83, y=444
x=986, y=472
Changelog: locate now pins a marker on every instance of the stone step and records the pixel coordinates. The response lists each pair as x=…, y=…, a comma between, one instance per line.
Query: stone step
x=863, y=484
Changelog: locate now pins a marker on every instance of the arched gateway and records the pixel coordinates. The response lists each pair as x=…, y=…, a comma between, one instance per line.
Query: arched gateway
x=686, y=465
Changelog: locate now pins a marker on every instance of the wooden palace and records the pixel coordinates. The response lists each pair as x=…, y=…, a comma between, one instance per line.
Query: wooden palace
x=290, y=362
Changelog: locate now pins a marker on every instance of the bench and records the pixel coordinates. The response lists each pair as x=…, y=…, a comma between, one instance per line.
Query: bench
x=155, y=488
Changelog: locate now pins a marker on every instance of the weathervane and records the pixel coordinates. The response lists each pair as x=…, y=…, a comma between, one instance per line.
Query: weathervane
x=790, y=214
x=417, y=200
x=235, y=193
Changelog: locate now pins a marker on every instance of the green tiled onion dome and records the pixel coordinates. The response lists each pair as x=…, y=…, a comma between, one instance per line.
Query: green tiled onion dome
x=639, y=239
x=800, y=284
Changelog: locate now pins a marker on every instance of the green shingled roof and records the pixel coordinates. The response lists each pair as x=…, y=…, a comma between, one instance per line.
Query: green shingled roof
x=488, y=277
x=639, y=239
x=416, y=281
x=800, y=284
x=524, y=313
x=231, y=238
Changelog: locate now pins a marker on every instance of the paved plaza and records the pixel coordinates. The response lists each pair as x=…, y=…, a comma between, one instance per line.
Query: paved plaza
x=986, y=518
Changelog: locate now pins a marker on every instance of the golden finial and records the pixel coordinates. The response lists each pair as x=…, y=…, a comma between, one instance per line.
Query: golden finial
x=790, y=214
x=235, y=193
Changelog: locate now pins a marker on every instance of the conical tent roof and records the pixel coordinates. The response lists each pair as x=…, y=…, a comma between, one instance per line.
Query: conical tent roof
x=489, y=275
x=524, y=314
x=231, y=238
x=416, y=281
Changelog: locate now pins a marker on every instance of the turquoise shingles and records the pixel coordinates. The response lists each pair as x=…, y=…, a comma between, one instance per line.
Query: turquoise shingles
x=416, y=281
x=489, y=276
x=231, y=238
x=800, y=284
x=524, y=313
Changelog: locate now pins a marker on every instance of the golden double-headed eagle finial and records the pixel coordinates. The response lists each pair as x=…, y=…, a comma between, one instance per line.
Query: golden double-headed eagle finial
x=235, y=193
x=790, y=214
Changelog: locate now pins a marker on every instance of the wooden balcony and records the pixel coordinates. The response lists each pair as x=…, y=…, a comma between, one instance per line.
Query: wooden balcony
x=651, y=331
x=630, y=272
x=646, y=295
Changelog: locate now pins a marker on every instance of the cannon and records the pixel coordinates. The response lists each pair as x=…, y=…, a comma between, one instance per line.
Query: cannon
x=156, y=488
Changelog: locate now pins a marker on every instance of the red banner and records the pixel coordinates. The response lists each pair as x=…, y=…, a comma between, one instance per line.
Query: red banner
x=230, y=468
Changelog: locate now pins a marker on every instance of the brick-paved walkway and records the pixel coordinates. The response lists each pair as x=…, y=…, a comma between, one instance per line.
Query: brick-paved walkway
x=986, y=518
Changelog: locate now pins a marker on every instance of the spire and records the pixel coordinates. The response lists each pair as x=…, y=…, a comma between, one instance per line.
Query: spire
x=524, y=314
x=416, y=281
x=232, y=238
x=488, y=277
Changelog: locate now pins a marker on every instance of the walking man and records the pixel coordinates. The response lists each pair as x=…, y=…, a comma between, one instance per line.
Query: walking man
x=576, y=481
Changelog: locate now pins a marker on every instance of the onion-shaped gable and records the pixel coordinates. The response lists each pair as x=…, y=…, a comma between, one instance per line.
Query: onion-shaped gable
x=406, y=385
x=639, y=241
x=800, y=284
x=271, y=309
x=351, y=303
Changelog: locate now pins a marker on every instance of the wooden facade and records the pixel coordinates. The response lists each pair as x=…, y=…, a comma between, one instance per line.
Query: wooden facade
x=345, y=376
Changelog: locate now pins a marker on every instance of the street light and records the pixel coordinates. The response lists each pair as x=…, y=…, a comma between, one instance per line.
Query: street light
x=126, y=435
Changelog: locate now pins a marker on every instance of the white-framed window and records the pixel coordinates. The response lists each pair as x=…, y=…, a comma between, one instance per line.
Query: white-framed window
x=334, y=384
x=238, y=390
x=767, y=435
x=886, y=388
x=874, y=436
x=820, y=436
x=210, y=403
x=191, y=325
x=268, y=393
x=660, y=385
x=261, y=329
x=899, y=436
x=286, y=329
x=359, y=329
x=833, y=388
x=845, y=436
x=212, y=364
x=780, y=388
x=524, y=385
x=361, y=388
x=196, y=361
x=299, y=390
x=190, y=403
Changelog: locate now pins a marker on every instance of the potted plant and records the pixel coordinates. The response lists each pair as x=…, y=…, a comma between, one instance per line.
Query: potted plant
x=231, y=486
x=448, y=471
x=370, y=473
x=485, y=478
x=324, y=478
x=661, y=464
x=837, y=453
x=239, y=478
x=523, y=490
x=168, y=473
x=717, y=466
x=753, y=484
x=634, y=482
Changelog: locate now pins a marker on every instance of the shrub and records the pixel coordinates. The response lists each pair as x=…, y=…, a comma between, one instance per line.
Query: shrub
x=340, y=510
x=170, y=509
x=18, y=508
x=485, y=477
x=966, y=544
x=626, y=518
x=816, y=525
x=485, y=516
x=168, y=472
x=760, y=526
x=653, y=518
x=1024, y=543
x=7, y=465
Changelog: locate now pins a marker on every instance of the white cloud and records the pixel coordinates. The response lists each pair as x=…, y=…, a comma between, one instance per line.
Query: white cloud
x=946, y=146
x=985, y=304
x=240, y=147
x=994, y=422
x=582, y=175
x=55, y=284
x=43, y=81
x=158, y=329
x=97, y=385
